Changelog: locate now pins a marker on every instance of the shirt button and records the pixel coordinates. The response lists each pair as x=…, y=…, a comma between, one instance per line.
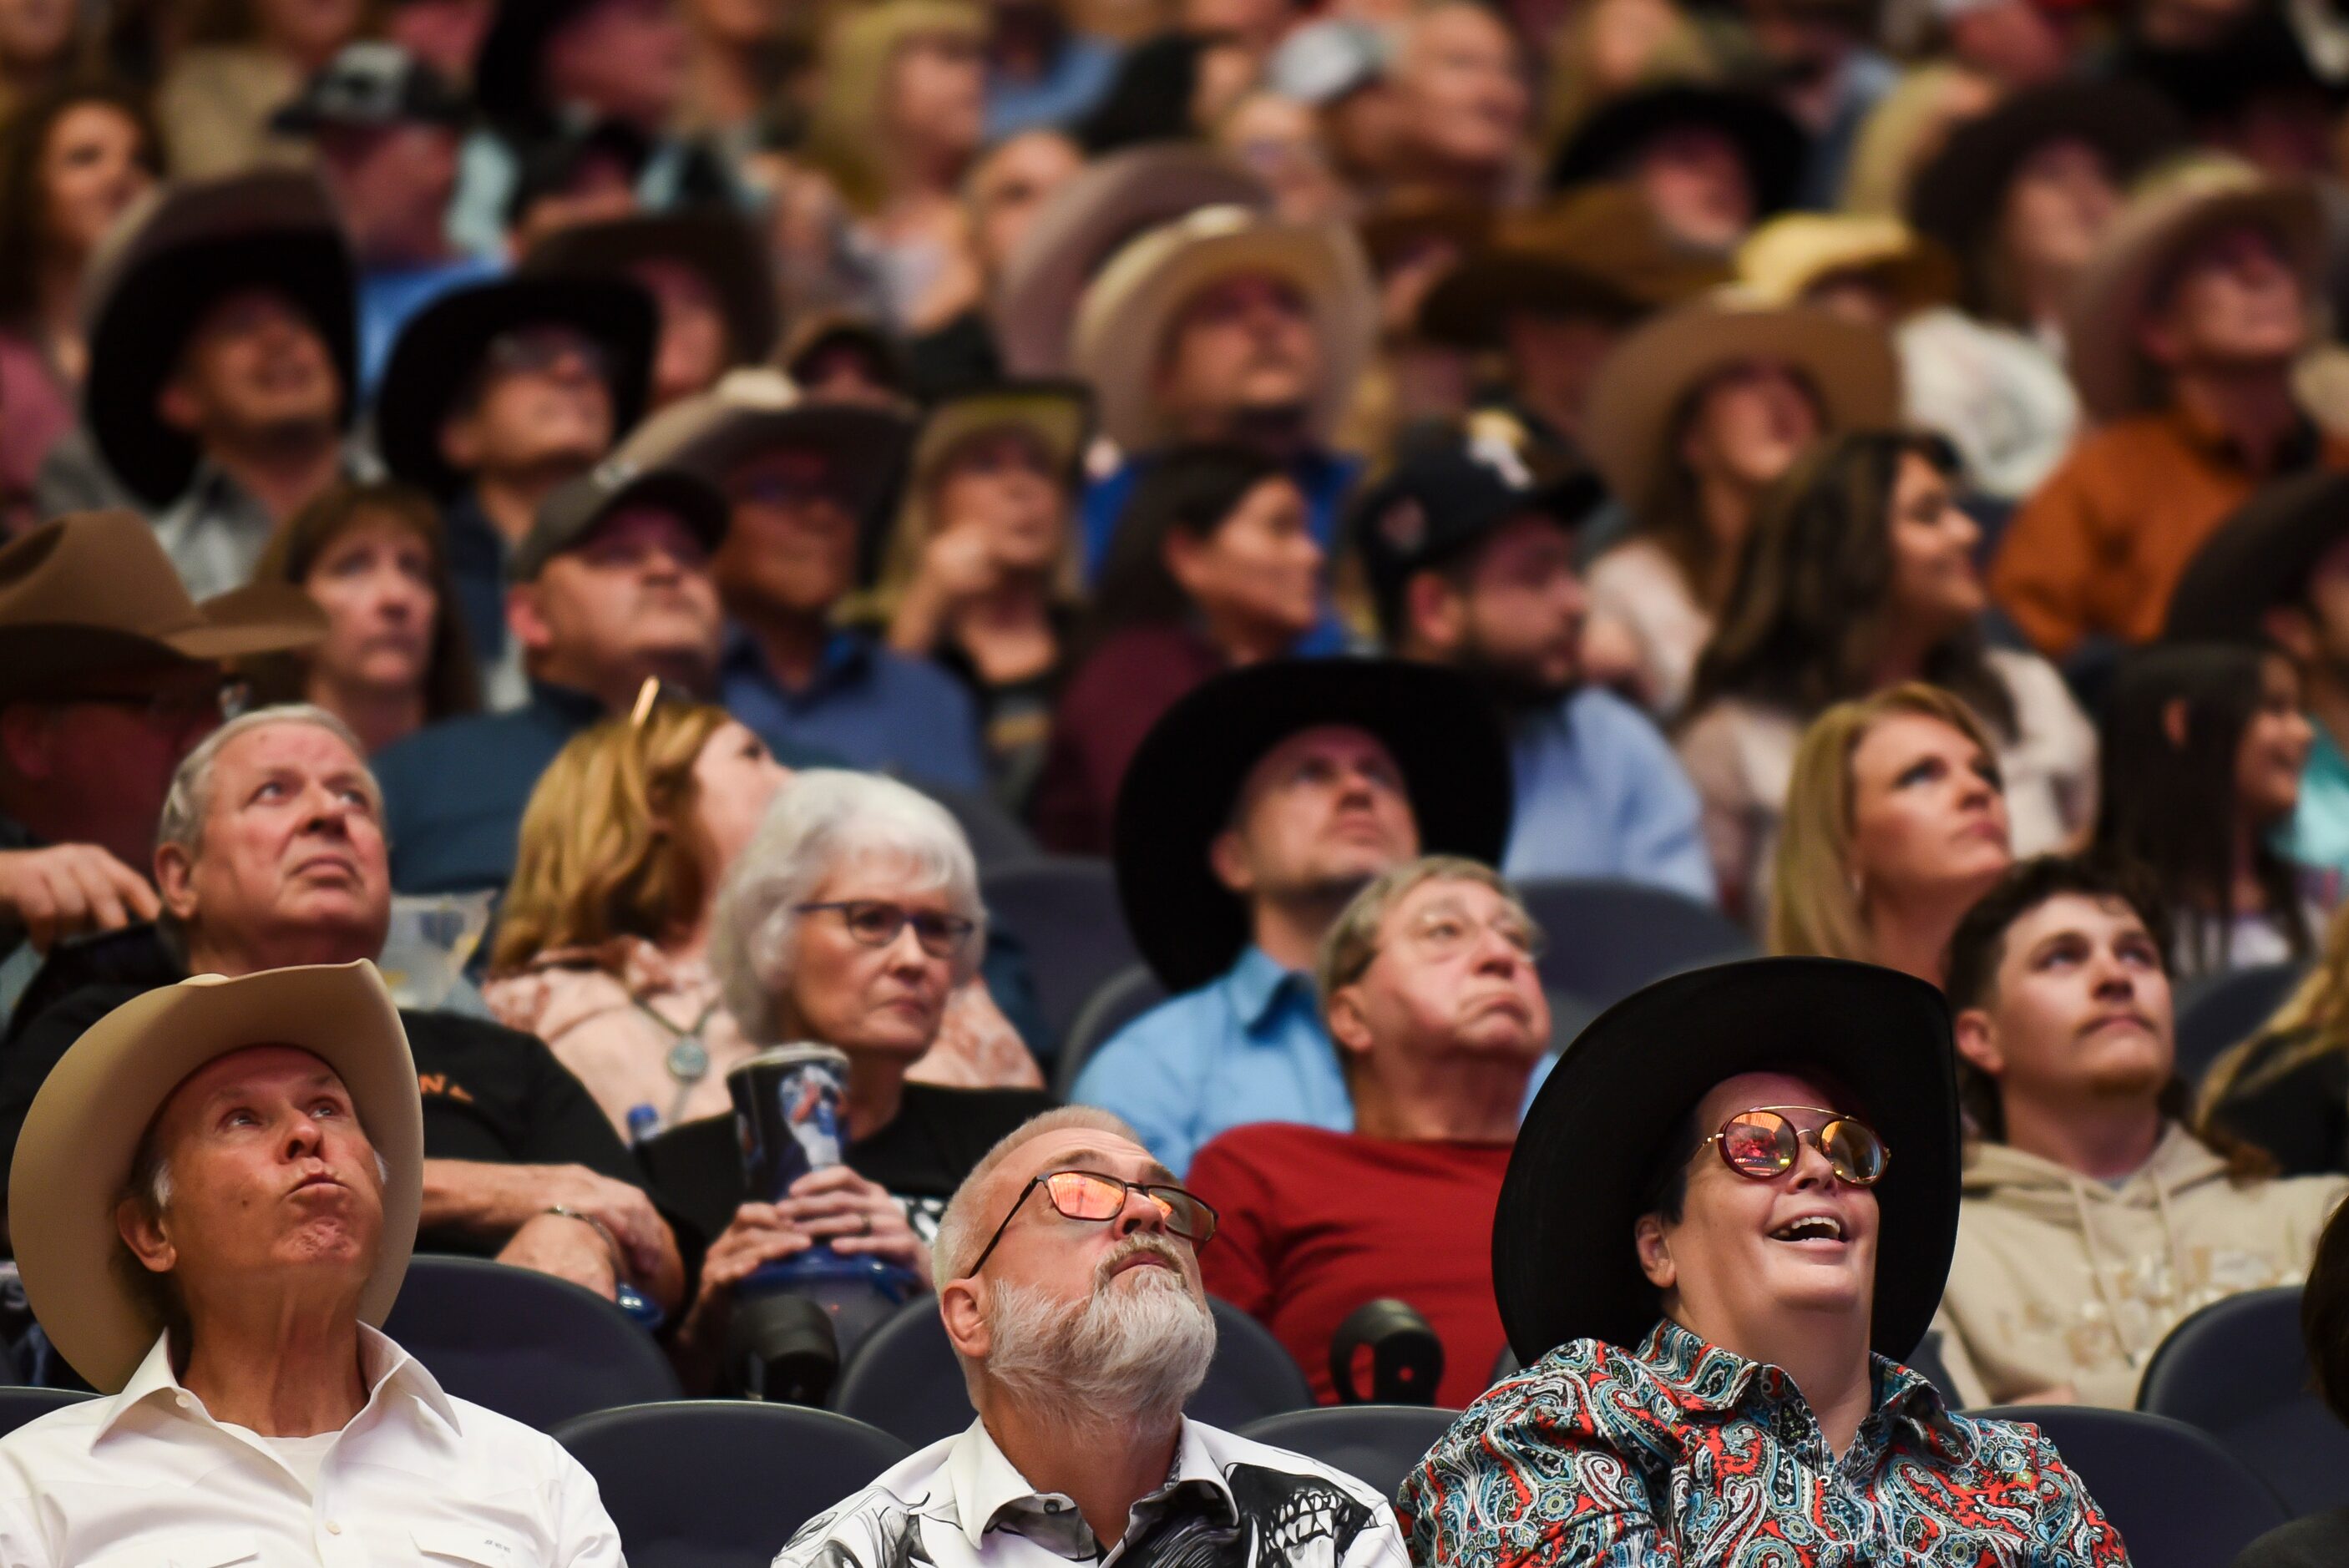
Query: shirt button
x=183, y=1401
x=334, y=1527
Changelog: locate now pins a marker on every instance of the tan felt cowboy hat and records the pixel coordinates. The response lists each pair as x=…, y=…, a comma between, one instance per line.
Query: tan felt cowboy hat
x=1089, y=220
x=1792, y=254
x=74, y=1155
x=1122, y=320
x=1645, y=382
x=92, y=592
x=2131, y=265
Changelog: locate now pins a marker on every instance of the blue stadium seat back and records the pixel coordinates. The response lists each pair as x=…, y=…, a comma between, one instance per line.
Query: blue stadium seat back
x=903, y=1378
x=2179, y=1500
x=524, y=1344
x=2228, y=1008
x=2239, y=1371
x=20, y=1404
x=1927, y=1359
x=1065, y=909
x=1377, y=1444
x=1122, y=998
x=721, y=1483
x=1608, y=938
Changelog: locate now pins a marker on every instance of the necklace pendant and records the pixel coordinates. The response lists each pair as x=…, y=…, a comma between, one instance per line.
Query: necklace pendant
x=688, y=1061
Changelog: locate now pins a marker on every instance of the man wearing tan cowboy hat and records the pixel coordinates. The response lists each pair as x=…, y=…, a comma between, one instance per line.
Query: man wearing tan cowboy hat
x=2183, y=335
x=108, y=674
x=1228, y=325
x=217, y=1195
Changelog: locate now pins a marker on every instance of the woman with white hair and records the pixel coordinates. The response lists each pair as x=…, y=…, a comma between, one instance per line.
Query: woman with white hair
x=849, y=920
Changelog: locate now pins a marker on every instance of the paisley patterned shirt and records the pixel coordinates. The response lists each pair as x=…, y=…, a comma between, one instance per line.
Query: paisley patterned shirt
x=1684, y=1454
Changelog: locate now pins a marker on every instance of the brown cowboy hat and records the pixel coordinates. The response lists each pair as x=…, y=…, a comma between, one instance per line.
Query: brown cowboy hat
x=1124, y=316
x=163, y=264
x=92, y=592
x=1645, y=381
x=1596, y=250
x=719, y=245
x=2132, y=263
x=1088, y=221
x=73, y=1157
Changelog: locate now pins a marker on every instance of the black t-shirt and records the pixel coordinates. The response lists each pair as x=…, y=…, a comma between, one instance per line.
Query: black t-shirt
x=2300, y=1115
x=490, y=1094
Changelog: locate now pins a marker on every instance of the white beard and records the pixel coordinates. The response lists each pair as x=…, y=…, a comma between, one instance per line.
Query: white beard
x=1133, y=1355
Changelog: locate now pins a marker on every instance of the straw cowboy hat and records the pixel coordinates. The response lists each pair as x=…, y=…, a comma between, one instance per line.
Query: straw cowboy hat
x=163, y=264
x=1089, y=220
x=2109, y=302
x=74, y=1155
x=92, y=592
x=1785, y=257
x=1644, y=383
x=1123, y=319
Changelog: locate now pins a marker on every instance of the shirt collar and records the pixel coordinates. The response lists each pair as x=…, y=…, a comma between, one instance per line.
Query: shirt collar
x=1700, y=1375
x=845, y=652
x=986, y=1486
x=573, y=709
x=2297, y=450
x=388, y=1368
x=1257, y=985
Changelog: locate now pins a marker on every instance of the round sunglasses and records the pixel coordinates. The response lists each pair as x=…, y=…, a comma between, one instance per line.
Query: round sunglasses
x=1763, y=1144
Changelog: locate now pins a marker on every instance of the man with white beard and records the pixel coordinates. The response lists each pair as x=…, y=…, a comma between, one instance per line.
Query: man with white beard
x=1068, y=1274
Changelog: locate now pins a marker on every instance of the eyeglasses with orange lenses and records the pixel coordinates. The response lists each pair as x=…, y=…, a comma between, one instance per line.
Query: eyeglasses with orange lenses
x=1763, y=1143
x=1091, y=1195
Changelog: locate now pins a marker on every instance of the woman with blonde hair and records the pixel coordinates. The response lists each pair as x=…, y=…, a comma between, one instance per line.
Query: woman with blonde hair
x=1895, y=824
x=2286, y=1089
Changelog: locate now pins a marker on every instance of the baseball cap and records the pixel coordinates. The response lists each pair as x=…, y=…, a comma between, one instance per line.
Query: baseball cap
x=577, y=507
x=1444, y=496
x=372, y=84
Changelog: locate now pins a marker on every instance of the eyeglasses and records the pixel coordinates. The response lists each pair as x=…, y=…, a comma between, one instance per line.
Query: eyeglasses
x=1763, y=1144
x=876, y=924
x=1090, y=1196
x=185, y=705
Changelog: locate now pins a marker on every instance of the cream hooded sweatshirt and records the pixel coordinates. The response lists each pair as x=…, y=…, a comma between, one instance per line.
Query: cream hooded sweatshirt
x=2063, y=1279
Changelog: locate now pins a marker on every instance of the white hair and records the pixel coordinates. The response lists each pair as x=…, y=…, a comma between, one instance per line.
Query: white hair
x=824, y=819
x=190, y=800
x=1129, y=1360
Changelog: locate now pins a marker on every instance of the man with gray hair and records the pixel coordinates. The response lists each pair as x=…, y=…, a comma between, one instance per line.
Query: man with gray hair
x=1428, y=987
x=1068, y=1275
x=270, y=855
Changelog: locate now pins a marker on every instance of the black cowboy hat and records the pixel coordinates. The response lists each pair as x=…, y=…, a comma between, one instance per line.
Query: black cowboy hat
x=716, y=243
x=189, y=246
x=1564, y=1264
x=1956, y=196
x=1185, y=777
x=1768, y=141
x=2260, y=558
x=441, y=349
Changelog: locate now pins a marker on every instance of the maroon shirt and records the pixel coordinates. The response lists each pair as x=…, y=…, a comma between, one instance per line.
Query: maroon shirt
x=1315, y=1223
x=1107, y=707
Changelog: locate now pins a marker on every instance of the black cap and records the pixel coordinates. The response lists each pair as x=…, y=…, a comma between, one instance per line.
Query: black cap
x=1446, y=496
x=373, y=83
x=578, y=506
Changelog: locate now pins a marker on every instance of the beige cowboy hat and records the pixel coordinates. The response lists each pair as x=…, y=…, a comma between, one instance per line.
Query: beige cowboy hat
x=74, y=1155
x=92, y=592
x=1785, y=257
x=1645, y=381
x=1123, y=320
x=1088, y=221
x=753, y=410
x=2169, y=212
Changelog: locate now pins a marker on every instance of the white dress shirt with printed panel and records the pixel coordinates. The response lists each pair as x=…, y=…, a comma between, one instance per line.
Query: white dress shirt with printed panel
x=147, y=1479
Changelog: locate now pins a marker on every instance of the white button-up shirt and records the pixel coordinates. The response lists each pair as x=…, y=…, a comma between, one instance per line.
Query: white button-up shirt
x=148, y=1479
x=1229, y=1503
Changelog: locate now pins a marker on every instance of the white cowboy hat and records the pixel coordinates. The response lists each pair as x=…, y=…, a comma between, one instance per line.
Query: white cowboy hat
x=1123, y=320
x=74, y=1155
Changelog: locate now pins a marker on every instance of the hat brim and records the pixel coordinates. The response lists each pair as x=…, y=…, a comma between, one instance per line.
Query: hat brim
x=717, y=245
x=1185, y=778
x=2259, y=558
x=1768, y=141
x=38, y=657
x=1123, y=323
x=869, y=445
x=1564, y=1263
x=1645, y=380
x=438, y=352
x=74, y=1154
x=1058, y=415
x=681, y=493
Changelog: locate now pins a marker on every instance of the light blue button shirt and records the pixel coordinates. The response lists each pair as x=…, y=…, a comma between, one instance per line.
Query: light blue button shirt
x=1600, y=794
x=2318, y=836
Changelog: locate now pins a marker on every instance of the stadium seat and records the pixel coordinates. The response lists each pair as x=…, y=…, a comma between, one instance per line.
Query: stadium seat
x=1121, y=999
x=903, y=1378
x=525, y=1345
x=1064, y=908
x=1379, y=1444
x=721, y=1483
x=2179, y=1499
x=1608, y=938
x=2238, y=1371
x=20, y=1404
x=2228, y=1008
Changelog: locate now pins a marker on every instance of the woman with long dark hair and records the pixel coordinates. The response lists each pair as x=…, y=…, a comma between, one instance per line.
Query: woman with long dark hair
x=1859, y=576
x=2203, y=745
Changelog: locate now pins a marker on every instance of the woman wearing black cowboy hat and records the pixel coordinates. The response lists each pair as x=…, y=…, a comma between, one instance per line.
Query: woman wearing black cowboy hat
x=1731, y=1207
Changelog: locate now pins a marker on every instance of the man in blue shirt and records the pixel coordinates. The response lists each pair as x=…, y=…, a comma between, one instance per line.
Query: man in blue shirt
x=1471, y=563
x=1253, y=811
x=805, y=479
